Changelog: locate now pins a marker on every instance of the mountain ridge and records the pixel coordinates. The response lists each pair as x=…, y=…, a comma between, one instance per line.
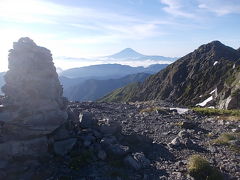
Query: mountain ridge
x=110, y=70
x=92, y=89
x=189, y=80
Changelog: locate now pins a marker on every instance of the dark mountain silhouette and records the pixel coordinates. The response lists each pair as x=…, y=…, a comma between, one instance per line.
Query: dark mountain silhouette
x=93, y=89
x=189, y=80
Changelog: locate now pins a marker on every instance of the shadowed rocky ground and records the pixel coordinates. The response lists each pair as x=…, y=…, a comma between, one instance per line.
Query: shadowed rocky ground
x=129, y=141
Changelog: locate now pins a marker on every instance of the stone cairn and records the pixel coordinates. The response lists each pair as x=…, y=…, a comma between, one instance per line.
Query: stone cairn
x=33, y=106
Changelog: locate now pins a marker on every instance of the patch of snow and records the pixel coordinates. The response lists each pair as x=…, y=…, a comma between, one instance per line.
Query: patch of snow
x=180, y=110
x=211, y=107
x=200, y=95
x=215, y=63
x=213, y=91
x=205, y=101
x=227, y=102
x=234, y=66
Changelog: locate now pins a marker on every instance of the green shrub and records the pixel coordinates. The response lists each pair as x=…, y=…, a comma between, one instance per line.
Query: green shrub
x=152, y=109
x=216, y=112
x=224, y=138
x=200, y=169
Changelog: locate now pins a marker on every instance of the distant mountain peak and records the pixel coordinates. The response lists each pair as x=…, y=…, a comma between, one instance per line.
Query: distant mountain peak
x=128, y=49
x=213, y=44
x=217, y=50
x=126, y=53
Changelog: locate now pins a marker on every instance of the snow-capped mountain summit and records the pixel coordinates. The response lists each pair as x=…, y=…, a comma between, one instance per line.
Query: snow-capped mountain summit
x=130, y=54
x=127, y=53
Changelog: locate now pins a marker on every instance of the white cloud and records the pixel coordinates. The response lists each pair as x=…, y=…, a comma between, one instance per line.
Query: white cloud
x=194, y=9
x=67, y=63
x=40, y=11
x=177, y=8
x=220, y=7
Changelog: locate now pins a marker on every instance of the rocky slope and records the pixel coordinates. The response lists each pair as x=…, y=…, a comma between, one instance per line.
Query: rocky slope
x=113, y=141
x=91, y=90
x=192, y=79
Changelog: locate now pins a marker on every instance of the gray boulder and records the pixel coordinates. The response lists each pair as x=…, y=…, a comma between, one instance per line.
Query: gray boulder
x=33, y=106
x=28, y=148
x=33, y=92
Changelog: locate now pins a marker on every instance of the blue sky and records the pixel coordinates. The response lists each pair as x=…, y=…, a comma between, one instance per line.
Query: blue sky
x=91, y=28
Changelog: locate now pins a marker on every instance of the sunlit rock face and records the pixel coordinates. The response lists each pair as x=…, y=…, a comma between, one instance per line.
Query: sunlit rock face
x=33, y=106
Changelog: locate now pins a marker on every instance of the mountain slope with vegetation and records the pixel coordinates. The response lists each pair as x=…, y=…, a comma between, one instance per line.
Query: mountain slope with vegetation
x=200, y=75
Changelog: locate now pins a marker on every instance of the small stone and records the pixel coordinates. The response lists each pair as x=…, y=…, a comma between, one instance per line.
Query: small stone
x=108, y=140
x=221, y=122
x=174, y=143
x=97, y=134
x=212, y=149
x=118, y=150
x=183, y=134
x=163, y=178
x=87, y=143
x=236, y=130
x=188, y=125
x=131, y=162
x=188, y=143
x=166, y=133
x=102, y=155
x=140, y=157
x=179, y=163
x=110, y=128
x=63, y=147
